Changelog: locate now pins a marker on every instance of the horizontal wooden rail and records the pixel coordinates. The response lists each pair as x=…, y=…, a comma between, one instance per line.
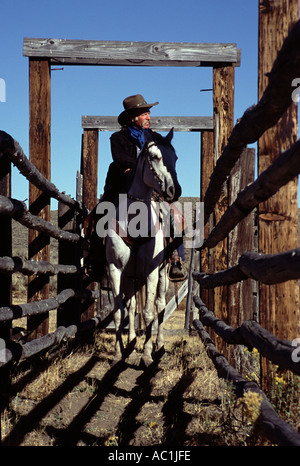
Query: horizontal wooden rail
x=252, y=335
x=44, y=305
x=270, y=424
x=257, y=119
x=110, y=123
x=18, y=210
x=10, y=265
x=266, y=268
x=284, y=169
x=19, y=351
x=121, y=53
x=12, y=149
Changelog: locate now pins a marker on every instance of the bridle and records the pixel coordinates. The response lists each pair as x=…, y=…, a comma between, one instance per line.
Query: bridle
x=146, y=158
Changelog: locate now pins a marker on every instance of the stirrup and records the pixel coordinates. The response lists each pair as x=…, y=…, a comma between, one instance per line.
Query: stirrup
x=177, y=271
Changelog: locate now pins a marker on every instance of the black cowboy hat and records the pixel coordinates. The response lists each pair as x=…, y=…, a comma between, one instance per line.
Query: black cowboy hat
x=132, y=104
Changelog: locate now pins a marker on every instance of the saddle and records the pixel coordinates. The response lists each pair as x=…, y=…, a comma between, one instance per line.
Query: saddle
x=94, y=249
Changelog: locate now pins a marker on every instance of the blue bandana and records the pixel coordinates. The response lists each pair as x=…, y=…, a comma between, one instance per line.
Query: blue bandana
x=137, y=134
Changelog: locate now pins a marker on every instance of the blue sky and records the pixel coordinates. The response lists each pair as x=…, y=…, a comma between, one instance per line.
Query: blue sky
x=78, y=91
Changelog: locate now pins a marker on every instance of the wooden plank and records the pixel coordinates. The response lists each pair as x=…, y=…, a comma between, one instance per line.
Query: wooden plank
x=110, y=123
x=278, y=216
x=39, y=202
x=120, y=53
x=172, y=305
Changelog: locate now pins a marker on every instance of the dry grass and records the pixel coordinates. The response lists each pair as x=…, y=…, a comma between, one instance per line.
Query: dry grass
x=79, y=399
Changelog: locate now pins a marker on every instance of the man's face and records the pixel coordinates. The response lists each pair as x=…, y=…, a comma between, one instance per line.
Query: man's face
x=143, y=120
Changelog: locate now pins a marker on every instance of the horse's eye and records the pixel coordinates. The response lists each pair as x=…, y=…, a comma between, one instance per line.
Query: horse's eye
x=155, y=153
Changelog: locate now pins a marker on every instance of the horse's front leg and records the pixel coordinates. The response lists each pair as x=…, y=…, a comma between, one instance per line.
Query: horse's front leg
x=148, y=314
x=130, y=305
x=115, y=281
x=162, y=288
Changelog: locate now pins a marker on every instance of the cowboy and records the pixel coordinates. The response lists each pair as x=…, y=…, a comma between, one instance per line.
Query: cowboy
x=126, y=145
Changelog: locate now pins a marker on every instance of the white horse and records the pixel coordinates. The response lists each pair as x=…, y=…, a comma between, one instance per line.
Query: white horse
x=142, y=259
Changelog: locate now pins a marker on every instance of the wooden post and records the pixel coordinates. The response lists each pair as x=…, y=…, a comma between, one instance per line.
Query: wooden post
x=68, y=312
x=5, y=241
x=39, y=202
x=6, y=283
x=278, y=217
x=223, y=106
x=207, y=166
x=240, y=239
x=89, y=170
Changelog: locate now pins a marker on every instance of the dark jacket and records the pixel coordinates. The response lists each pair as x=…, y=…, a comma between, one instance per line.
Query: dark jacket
x=124, y=153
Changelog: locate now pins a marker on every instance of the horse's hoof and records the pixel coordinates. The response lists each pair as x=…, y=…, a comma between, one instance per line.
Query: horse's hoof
x=146, y=361
x=116, y=359
x=159, y=353
x=133, y=358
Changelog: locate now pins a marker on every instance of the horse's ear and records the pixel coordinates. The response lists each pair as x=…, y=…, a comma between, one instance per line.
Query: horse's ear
x=170, y=135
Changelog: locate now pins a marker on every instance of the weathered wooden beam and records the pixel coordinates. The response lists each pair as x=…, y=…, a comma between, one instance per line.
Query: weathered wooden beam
x=68, y=253
x=266, y=268
x=240, y=239
x=223, y=105
x=14, y=152
x=110, y=123
x=207, y=167
x=209, y=281
x=39, y=202
x=252, y=335
x=271, y=425
x=20, y=351
x=17, y=210
x=44, y=305
x=283, y=170
x=120, y=53
x=6, y=281
x=278, y=216
x=10, y=265
x=276, y=99
x=34, y=307
x=89, y=171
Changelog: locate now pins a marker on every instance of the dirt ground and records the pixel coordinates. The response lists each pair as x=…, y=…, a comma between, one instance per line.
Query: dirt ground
x=178, y=401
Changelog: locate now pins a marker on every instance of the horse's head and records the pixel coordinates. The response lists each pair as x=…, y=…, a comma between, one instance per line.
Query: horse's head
x=159, y=169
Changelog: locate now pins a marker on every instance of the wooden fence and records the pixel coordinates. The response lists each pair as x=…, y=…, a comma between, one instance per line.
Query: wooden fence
x=76, y=293
x=265, y=268
x=13, y=208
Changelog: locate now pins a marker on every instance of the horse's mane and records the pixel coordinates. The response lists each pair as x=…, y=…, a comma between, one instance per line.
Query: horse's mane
x=151, y=136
